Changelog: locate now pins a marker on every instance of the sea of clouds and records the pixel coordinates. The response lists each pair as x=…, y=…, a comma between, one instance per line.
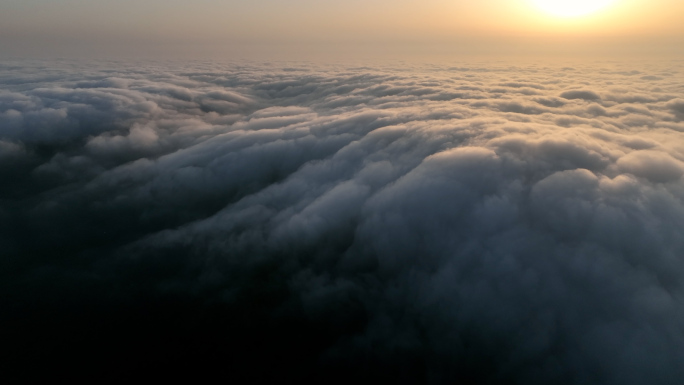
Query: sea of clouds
x=484, y=223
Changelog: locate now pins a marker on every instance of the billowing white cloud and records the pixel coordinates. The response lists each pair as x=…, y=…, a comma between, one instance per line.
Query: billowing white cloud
x=491, y=224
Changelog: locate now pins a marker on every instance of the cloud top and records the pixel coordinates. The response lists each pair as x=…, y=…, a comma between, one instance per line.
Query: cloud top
x=485, y=224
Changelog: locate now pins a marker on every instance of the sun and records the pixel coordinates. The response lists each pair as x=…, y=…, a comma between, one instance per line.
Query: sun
x=572, y=8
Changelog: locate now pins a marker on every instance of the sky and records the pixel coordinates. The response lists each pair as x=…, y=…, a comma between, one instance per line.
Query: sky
x=232, y=27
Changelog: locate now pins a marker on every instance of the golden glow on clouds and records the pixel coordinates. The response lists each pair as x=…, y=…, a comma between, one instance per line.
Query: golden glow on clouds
x=572, y=8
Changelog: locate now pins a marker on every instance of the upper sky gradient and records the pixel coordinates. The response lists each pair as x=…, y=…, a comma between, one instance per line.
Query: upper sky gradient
x=466, y=26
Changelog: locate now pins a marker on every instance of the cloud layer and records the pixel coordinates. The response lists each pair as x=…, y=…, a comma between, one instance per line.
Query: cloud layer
x=480, y=223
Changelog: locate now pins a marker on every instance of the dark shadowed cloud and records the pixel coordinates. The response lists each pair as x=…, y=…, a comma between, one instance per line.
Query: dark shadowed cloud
x=486, y=224
x=579, y=94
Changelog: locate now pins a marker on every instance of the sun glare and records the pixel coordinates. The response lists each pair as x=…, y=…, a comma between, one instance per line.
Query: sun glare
x=572, y=8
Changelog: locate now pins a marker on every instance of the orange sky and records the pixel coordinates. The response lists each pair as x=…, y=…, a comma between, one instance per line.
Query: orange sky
x=472, y=26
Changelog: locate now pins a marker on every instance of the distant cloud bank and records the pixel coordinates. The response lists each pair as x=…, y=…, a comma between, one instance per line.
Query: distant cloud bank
x=486, y=224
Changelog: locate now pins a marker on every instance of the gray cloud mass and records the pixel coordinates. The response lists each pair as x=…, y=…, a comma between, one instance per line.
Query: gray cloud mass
x=489, y=224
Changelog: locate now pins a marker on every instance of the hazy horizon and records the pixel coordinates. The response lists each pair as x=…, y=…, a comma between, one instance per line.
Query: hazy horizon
x=318, y=30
